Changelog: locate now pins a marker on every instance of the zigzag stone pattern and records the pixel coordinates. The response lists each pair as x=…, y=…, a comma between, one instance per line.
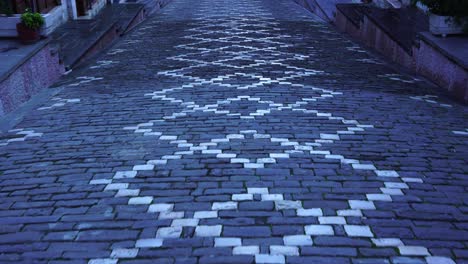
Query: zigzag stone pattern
x=241, y=58
x=241, y=131
x=19, y=135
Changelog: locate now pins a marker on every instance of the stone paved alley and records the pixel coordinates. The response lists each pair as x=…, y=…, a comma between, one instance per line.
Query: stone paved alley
x=244, y=131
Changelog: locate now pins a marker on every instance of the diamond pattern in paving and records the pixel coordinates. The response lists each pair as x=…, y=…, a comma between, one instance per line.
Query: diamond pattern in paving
x=236, y=132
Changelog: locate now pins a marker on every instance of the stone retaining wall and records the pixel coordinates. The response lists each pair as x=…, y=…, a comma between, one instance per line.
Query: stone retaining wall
x=422, y=58
x=441, y=70
x=37, y=72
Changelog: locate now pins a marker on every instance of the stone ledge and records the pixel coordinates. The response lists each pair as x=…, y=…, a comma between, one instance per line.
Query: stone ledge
x=27, y=70
x=16, y=54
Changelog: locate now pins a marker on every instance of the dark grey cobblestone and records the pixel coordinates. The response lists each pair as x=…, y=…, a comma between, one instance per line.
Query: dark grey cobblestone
x=125, y=174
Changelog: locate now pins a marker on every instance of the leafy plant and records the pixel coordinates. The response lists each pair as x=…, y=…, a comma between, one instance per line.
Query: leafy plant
x=32, y=20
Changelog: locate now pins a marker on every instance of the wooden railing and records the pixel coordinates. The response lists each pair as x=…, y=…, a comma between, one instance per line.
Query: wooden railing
x=41, y=6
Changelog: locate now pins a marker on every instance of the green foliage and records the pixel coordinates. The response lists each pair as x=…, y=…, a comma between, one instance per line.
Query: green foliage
x=32, y=20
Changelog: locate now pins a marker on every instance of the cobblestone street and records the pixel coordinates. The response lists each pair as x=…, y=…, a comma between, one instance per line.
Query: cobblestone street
x=242, y=131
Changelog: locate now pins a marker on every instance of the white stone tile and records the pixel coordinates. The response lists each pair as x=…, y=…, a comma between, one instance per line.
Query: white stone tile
x=288, y=144
x=185, y=145
x=143, y=167
x=185, y=222
x=418, y=180
x=242, y=197
x=224, y=206
x=266, y=160
x=413, y=251
x=116, y=186
x=363, y=166
x=100, y=181
x=171, y=157
x=379, y=197
x=439, y=260
x=256, y=136
x=332, y=220
x=254, y=165
x=152, y=134
x=257, y=190
x=349, y=212
x=169, y=232
x=349, y=161
x=463, y=133
x=167, y=137
x=248, y=131
x=127, y=192
x=149, y=243
x=273, y=139
x=226, y=155
x=235, y=136
x=272, y=197
x=157, y=162
x=319, y=230
x=160, y=207
x=188, y=152
x=141, y=200
x=219, y=140
x=297, y=240
x=334, y=157
x=309, y=212
x=148, y=130
x=125, y=174
x=279, y=155
x=386, y=173
x=285, y=205
x=205, y=214
x=171, y=215
x=227, y=242
x=284, y=250
x=396, y=185
x=246, y=250
x=16, y=139
x=387, y=242
x=211, y=151
x=240, y=160
x=358, y=231
x=124, y=253
x=330, y=136
x=265, y=258
x=145, y=124
x=103, y=261
x=361, y=204
x=392, y=191
x=208, y=231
